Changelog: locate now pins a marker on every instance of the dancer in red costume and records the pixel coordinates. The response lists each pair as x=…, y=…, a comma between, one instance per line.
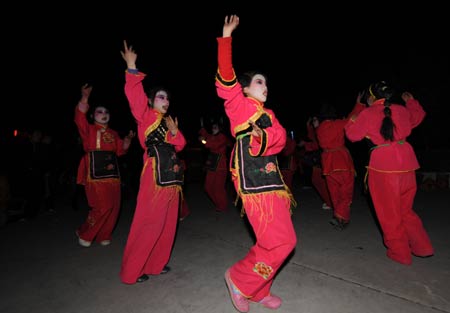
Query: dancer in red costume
x=152, y=232
x=217, y=144
x=257, y=179
x=391, y=169
x=99, y=171
x=337, y=162
x=312, y=146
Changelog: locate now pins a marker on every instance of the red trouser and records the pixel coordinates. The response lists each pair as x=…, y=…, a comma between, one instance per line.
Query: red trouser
x=275, y=239
x=104, y=202
x=340, y=185
x=403, y=232
x=152, y=232
x=320, y=184
x=215, y=188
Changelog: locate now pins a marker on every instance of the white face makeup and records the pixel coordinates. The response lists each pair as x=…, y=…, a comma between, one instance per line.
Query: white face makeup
x=215, y=129
x=161, y=102
x=315, y=122
x=257, y=88
x=101, y=115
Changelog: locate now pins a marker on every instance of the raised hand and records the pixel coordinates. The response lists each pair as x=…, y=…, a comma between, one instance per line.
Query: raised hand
x=86, y=91
x=129, y=55
x=83, y=104
x=231, y=22
x=407, y=96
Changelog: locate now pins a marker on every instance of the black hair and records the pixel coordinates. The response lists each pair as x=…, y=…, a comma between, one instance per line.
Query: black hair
x=246, y=78
x=327, y=112
x=91, y=113
x=381, y=90
x=151, y=93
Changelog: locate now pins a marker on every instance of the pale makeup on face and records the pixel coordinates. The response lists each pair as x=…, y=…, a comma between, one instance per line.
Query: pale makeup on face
x=101, y=115
x=215, y=129
x=258, y=88
x=161, y=102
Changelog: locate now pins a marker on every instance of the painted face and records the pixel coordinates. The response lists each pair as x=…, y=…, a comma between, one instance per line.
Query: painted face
x=161, y=102
x=101, y=115
x=315, y=122
x=215, y=129
x=257, y=88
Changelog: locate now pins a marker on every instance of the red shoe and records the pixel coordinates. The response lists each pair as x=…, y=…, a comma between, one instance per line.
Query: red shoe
x=271, y=302
x=239, y=301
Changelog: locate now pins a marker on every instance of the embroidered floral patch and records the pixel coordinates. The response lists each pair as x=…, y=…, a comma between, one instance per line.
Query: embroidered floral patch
x=108, y=137
x=176, y=168
x=262, y=269
x=270, y=167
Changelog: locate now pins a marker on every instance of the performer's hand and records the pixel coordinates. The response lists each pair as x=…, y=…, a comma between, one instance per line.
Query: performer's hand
x=256, y=131
x=407, y=96
x=172, y=124
x=129, y=55
x=231, y=22
x=127, y=139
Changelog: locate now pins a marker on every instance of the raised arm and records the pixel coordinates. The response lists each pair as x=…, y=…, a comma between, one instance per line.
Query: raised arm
x=81, y=110
x=134, y=89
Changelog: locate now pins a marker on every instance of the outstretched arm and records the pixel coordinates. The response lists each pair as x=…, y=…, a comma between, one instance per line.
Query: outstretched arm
x=417, y=113
x=225, y=73
x=81, y=110
x=83, y=104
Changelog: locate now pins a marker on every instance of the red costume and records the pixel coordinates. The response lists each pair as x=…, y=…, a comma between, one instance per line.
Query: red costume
x=337, y=164
x=216, y=168
x=103, y=193
x=317, y=179
x=258, y=182
x=392, y=179
x=152, y=232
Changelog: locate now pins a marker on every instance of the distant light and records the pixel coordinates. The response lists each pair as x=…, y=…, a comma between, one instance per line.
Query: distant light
x=15, y=133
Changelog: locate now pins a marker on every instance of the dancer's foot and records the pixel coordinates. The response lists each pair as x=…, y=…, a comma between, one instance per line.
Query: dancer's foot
x=239, y=301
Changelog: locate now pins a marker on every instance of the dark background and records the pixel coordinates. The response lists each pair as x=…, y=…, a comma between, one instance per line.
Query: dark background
x=311, y=52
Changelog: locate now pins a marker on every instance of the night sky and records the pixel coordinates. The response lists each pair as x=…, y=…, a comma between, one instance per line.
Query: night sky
x=311, y=54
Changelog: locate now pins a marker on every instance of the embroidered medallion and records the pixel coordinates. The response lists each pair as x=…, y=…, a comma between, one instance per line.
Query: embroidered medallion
x=263, y=270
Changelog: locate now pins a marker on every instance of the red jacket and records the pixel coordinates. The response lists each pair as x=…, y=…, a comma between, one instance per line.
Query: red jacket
x=396, y=156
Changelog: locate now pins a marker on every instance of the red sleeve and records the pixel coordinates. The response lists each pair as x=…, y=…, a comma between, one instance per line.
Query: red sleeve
x=356, y=110
x=82, y=125
x=137, y=99
x=416, y=112
x=225, y=70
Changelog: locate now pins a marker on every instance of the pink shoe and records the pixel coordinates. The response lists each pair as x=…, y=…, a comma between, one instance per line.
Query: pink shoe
x=239, y=301
x=271, y=302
